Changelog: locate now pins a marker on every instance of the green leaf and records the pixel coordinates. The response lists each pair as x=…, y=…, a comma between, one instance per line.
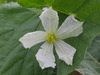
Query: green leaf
x=67, y=6
x=31, y=3
x=15, y=21
x=49, y=2
x=91, y=65
x=87, y=8
x=82, y=8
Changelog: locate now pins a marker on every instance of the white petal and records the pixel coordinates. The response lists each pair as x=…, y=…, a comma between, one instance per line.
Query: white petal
x=70, y=28
x=45, y=8
x=32, y=38
x=65, y=51
x=45, y=56
x=49, y=19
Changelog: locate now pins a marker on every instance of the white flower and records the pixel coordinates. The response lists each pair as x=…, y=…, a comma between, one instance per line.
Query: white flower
x=69, y=28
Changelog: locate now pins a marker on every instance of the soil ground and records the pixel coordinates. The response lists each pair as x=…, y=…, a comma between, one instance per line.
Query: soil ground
x=75, y=73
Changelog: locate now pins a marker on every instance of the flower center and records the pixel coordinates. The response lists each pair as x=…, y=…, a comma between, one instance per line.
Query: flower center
x=51, y=38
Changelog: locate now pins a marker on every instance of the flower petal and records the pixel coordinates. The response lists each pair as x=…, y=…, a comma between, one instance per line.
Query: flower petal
x=65, y=51
x=45, y=56
x=49, y=19
x=32, y=38
x=70, y=28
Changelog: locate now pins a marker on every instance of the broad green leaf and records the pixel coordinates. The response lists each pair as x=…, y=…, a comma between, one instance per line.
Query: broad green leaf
x=91, y=65
x=49, y=2
x=67, y=6
x=31, y=3
x=61, y=5
x=15, y=21
x=82, y=8
x=87, y=8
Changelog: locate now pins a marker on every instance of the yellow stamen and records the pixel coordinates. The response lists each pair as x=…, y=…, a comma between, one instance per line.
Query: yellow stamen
x=51, y=38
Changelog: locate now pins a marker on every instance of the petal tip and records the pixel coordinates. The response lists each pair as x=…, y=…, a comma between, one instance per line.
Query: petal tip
x=45, y=8
x=20, y=39
x=74, y=15
x=71, y=64
x=25, y=46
